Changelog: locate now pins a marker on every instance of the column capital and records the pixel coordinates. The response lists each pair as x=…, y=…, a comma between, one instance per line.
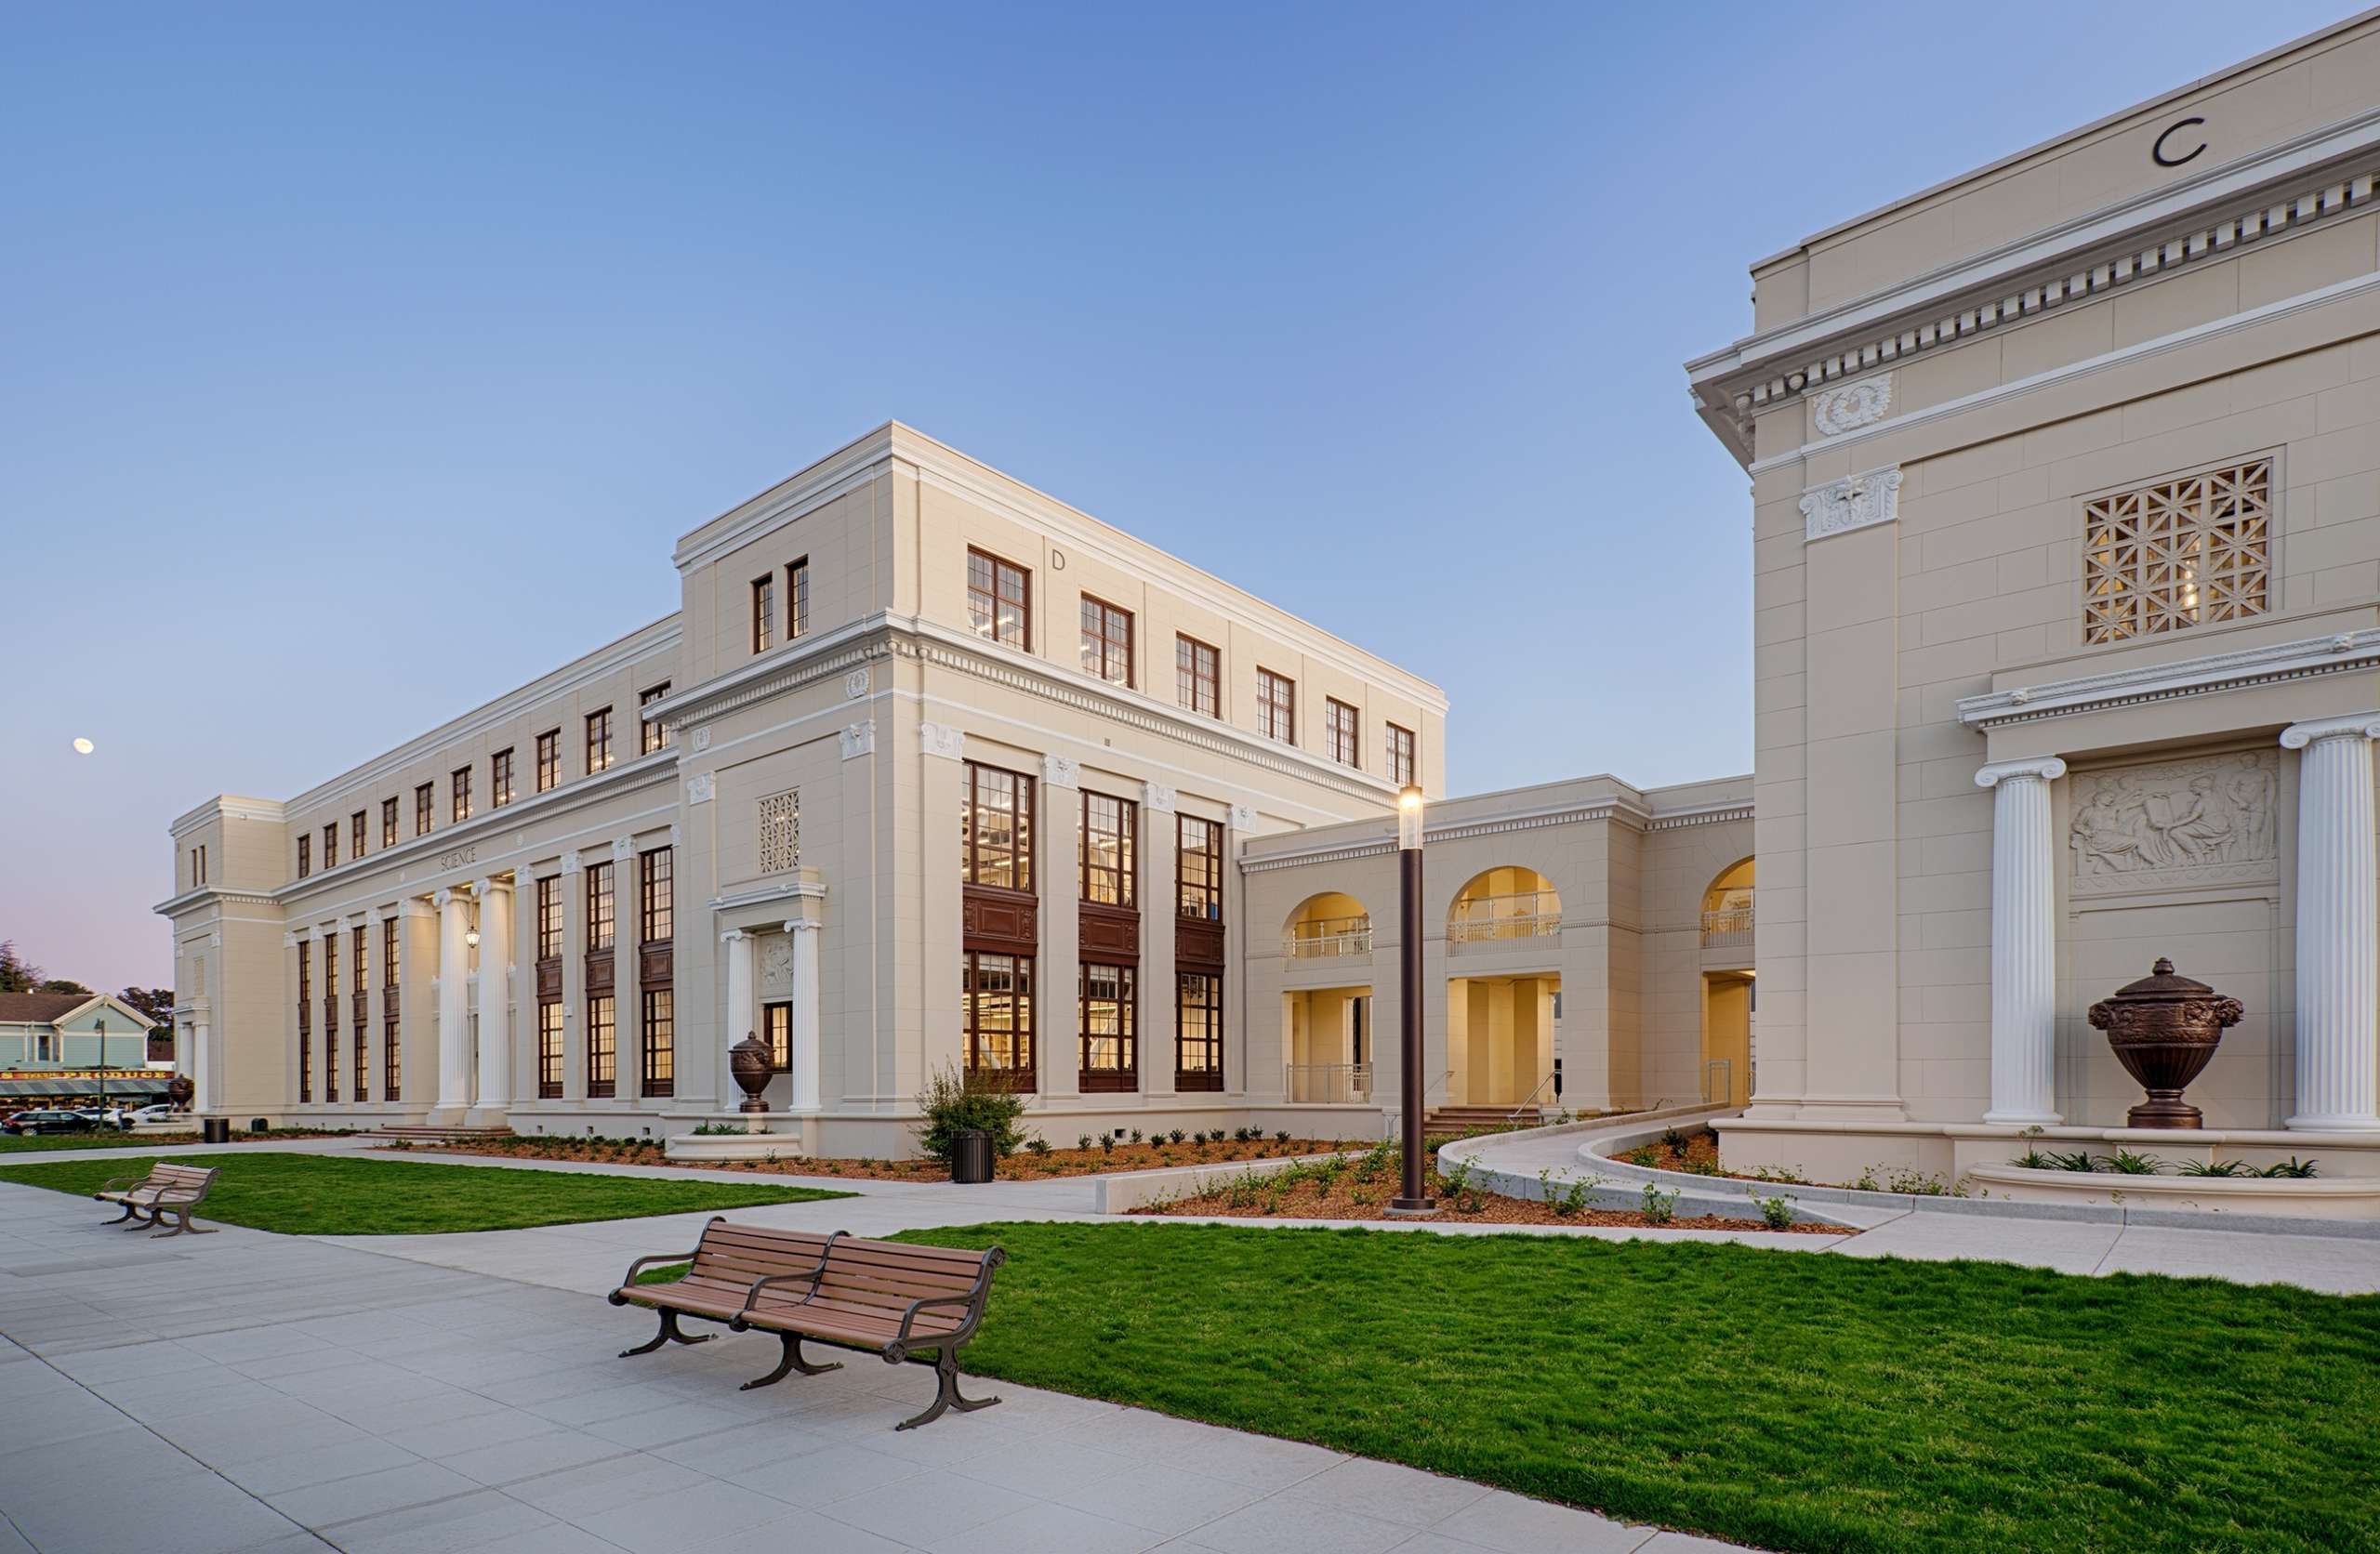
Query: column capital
x=490, y=886
x=2049, y=769
x=570, y=861
x=1853, y=502
x=1158, y=797
x=2361, y=725
x=442, y=897
x=801, y=925
x=731, y=936
x=941, y=739
x=1060, y=772
x=859, y=738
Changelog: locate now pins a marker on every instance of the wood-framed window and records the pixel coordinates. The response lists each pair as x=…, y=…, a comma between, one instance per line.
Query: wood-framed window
x=1109, y=1022
x=997, y=1011
x=389, y=822
x=1199, y=867
x=764, y=612
x=198, y=865
x=355, y=824
x=1197, y=676
x=423, y=797
x=797, y=599
x=305, y=856
x=599, y=742
x=361, y=1035
x=1277, y=706
x=657, y=908
x=330, y=846
x=549, y=1048
x=1106, y=641
x=1000, y=599
x=330, y=1017
x=459, y=790
x=997, y=828
x=550, y=917
x=500, y=779
x=602, y=1046
x=600, y=923
x=1343, y=727
x=392, y=1067
x=1401, y=764
x=305, y=1017
x=549, y=760
x=776, y=1029
x=652, y=733
x=660, y=1076
x=1109, y=834
x=1198, y=1031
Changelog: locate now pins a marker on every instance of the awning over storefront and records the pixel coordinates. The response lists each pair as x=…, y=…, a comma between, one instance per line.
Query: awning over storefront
x=130, y=1085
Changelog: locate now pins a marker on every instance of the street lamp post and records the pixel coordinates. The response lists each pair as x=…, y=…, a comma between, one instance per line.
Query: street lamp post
x=1415, y=1199
x=103, y=1028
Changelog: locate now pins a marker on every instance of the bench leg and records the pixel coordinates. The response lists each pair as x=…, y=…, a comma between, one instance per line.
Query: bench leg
x=119, y=1219
x=181, y=1226
x=133, y=1214
x=791, y=1362
x=945, y=1370
x=668, y=1335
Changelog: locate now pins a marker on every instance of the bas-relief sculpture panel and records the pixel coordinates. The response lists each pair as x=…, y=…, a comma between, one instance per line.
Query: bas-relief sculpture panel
x=777, y=965
x=2172, y=826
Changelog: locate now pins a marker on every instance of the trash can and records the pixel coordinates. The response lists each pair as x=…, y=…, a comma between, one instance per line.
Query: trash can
x=970, y=1155
x=214, y=1130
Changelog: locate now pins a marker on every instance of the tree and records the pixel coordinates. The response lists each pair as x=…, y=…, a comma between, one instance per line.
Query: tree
x=157, y=1002
x=61, y=984
x=17, y=974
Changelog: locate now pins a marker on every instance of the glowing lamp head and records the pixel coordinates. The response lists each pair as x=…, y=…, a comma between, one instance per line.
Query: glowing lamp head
x=472, y=938
x=1408, y=817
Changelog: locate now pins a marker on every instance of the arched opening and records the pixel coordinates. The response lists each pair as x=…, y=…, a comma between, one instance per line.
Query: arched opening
x=1325, y=924
x=1501, y=1026
x=1728, y=909
x=1509, y=902
x=1729, y=995
x=1326, y=1031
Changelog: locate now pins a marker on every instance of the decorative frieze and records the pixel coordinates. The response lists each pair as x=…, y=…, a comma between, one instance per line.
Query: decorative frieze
x=1858, y=501
x=2174, y=825
x=855, y=684
x=858, y=740
x=1848, y=406
x=941, y=739
x=1158, y=797
x=1062, y=772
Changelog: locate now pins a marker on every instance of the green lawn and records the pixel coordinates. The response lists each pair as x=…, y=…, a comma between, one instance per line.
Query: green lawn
x=1797, y=1402
x=313, y=1194
x=45, y=1143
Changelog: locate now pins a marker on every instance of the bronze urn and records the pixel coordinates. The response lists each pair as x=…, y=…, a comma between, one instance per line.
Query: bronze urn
x=2164, y=1029
x=750, y=1062
x=181, y=1091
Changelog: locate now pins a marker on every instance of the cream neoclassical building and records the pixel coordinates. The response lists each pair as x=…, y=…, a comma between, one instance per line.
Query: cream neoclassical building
x=2067, y=493
x=929, y=768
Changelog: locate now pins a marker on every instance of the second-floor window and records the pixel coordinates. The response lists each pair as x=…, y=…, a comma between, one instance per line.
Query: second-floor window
x=1000, y=599
x=1107, y=864
x=388, y=823
x=198, y=865
x=797, y=599
x=764, y=612
x=549, y=760
x=1198, y=677
x=1345, y=730
x=656, y=912
x=1277, y=706
x=500, y=779
x=355, y=833
x=997, y=828
x=599, y=742
x=1199, y=867
x=330, y=846
x=599, y=906
x=1106, y=641
x=550, y=917
x=1401, y=765
x=460, y=781
x=653, y=734
x=305, y=856
x=423, y=796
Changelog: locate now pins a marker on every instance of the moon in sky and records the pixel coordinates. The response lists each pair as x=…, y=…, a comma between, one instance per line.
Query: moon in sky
x=84, y=747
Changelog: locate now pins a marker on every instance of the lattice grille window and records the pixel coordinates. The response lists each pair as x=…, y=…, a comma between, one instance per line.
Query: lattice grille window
x=2177, y=554
x=781, y=831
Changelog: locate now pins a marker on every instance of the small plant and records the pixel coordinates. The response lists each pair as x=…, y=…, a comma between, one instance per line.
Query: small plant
x=1673, y=1141
x=2216, y=1168
x=1175, y=1136
x=1700, y=1168
x=2292, y=1167
x=1106, y=1143
x=1037, y=1145
x=1643, y=1154
x=1136, y=1136
x=1920, y=1183
x=1659, y=1208
x=1082, y=1140
x=1281, y=1136
x=1776, y=1213
x=1866, y=1180
x=1574, y=1199
x=2077, y=1160
x=2033, y=1160
x=401, y=1144
x=2128, y=1162
x=1457, y=1177
x=706, y=1129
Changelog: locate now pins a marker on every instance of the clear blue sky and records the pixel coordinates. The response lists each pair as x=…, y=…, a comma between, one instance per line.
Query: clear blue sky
x=357, y=368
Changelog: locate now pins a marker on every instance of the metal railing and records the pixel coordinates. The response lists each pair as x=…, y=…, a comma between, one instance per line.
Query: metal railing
x=1727, y=926
x=1529, y=1103
x=1330, y=1084
x=1719, y=1083
x=1522, y=915
x=1318, y=938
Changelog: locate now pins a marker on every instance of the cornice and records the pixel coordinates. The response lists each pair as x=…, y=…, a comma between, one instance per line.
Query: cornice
x=2269, y=194
x=1627, y=814
x=2339, y=653
x=209, y=895
x=230, y=806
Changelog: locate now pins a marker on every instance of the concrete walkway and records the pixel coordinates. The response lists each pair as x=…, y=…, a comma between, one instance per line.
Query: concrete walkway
x=247, y=1393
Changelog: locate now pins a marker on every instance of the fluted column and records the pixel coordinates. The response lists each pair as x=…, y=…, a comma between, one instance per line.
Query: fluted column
x=2024, y=943
x=454, y=1002
x=2338, y=977
x=740, y=1008
x=804, y=1056
x=495, y=988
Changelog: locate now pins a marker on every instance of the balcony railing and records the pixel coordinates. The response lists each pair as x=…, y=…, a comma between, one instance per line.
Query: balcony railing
x=1522, y=915
x=1319, y=938
x=1727, y=924
x=1330, y=1084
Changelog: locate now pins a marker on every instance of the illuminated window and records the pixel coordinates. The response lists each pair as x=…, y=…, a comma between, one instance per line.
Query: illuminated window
x=603, y=1046
x=1000, y=599
x=549, y=1049
x=1197, y=676
x=1343, y=728
x=1198, y=868
x=500, y=779
x=1107, y=836
x=599, y=742
x=780, y=832
x=765, y=612
x=995, y=828
x=998, y=1011
x=653, y=734
x=1401, y=765
x=1108, y=1015
x=1277, y=706
x=1198, y=1021
x=549, y=760
x=1106, y=641
x=460, y=786
x=660, y=1042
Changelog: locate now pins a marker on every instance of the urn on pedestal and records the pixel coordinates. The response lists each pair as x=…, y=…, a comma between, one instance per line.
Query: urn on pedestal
x=2163, y=1030
x=750, y=1062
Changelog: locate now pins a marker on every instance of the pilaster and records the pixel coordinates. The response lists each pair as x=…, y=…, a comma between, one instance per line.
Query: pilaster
x=2338, y=926
x=2024, y=943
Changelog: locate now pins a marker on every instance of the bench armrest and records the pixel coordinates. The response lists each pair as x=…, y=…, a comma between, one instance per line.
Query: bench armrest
x=113, y=1182
x=811, y=1276
x=909, y=1317
x=630, y=1277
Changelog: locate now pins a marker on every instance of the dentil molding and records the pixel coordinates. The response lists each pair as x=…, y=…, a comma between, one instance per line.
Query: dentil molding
x=1859, y=500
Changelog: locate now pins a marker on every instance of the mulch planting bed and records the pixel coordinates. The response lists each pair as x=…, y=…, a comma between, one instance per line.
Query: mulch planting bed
x=1023, y=1166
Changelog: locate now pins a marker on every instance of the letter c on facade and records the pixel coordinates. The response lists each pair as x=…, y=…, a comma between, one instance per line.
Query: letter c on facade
x=2157, y=152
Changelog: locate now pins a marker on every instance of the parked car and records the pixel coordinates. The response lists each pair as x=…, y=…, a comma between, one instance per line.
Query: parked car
x=50, y=1121
x=159, y=1113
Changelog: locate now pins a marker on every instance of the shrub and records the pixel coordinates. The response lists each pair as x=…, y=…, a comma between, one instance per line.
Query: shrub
x=705, y=1129
x=956, y=1098
x=1659, y=1208
x=2077, y=1160
x=1037, y=1145
x=1174, y=1136
x=1281, y=1136
x=2216, y=1168
x=1776, y=1213
x=1574, y=1199
x=2127, y=1163
x=1673, y=1141
x=1643, y=1154
x=2293, y=1167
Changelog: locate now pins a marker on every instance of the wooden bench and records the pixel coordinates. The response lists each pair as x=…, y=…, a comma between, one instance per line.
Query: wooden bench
x=166, y=1189
x=880, y=1297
